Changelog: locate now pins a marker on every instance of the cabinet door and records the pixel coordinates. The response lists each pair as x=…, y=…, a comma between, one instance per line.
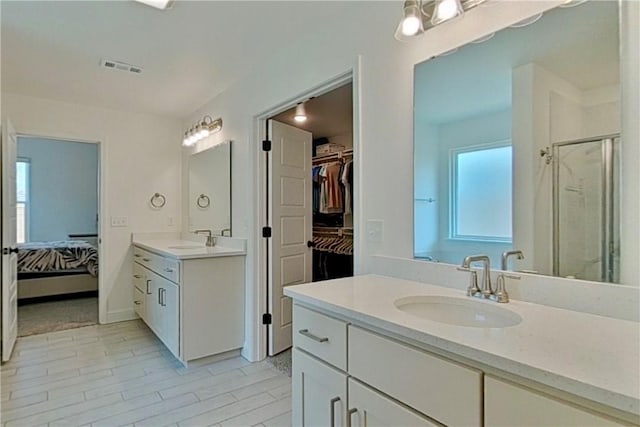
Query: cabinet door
x=319, y=393
x=509, y=405
x=155, y=319
x=170, y=309
x=368, y=408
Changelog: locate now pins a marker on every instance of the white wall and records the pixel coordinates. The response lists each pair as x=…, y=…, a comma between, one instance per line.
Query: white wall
x=384, y=82
x=140, y=155
x=63, y=188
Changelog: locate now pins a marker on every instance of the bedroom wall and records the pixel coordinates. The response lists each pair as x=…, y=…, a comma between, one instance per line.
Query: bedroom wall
x=63, y=188
x=140, y=155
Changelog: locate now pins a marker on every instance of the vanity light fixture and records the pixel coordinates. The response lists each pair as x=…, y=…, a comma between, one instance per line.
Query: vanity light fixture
x=301, y=113
x=201, y=130
x=420, y=15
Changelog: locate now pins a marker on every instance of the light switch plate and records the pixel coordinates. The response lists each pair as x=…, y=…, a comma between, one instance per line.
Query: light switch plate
x=119, y=221
x=375, y=230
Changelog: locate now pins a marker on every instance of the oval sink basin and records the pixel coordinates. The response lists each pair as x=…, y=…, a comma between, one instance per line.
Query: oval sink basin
x=458, y=311
x=186, y=247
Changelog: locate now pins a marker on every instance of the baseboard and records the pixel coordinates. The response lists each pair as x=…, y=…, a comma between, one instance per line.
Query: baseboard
x=121, y=315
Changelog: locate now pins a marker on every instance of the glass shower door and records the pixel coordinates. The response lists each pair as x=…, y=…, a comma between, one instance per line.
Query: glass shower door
x=585, y=210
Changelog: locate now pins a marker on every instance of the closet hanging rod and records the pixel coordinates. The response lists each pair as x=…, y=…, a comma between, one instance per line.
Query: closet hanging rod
x=333, y=156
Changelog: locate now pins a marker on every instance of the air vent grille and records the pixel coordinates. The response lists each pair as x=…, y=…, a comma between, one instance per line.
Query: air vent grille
x=122, y=66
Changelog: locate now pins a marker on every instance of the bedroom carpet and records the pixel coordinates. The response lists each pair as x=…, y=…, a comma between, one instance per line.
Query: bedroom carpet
x=51, y=316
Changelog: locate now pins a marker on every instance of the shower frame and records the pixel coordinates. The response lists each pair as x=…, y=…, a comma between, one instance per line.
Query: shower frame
x=607, y=244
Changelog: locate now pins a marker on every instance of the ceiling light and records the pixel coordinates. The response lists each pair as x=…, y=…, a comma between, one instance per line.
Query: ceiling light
x=158, y=4
x=446, y=10
x=301, y=114
x=201, y=130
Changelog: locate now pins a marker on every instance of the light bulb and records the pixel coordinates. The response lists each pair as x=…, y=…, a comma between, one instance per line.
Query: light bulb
x=301, y=114
x=204, y=133
x=410, y=25
x=445, y=10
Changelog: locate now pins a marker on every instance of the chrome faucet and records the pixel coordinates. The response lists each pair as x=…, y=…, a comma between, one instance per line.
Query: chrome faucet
x=211, y=241
x=487, y=291
x=504, y=265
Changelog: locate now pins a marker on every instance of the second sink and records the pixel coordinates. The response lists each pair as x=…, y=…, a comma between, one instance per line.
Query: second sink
x=458, y=311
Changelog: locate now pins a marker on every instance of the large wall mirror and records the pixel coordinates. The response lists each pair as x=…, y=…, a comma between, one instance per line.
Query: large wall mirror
x=210, y=190
x=517, y=142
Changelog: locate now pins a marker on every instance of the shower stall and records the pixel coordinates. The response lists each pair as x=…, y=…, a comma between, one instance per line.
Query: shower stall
x=586, y=209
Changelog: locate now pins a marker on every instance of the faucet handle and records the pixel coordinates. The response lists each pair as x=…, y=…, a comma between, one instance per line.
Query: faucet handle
x=500, y=294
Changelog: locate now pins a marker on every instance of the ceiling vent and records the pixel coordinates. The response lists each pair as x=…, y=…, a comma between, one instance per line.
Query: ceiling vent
x=122, y=66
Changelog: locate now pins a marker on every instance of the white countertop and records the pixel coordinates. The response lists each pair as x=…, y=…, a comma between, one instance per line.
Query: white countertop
x=190, y=249
x=594, y=357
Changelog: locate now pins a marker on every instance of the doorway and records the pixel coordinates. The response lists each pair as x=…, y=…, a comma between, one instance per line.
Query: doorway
x=57, y=224
x=309, y=178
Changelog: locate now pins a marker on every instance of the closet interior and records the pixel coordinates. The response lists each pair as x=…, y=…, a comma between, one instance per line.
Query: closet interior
x=330, y=120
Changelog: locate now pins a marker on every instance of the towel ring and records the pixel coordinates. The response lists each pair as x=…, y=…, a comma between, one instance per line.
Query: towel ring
x=158, y=200
x=203, y=201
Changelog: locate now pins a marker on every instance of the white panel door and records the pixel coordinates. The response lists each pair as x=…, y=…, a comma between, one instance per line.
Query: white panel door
x=290, y=218
x=9, y=250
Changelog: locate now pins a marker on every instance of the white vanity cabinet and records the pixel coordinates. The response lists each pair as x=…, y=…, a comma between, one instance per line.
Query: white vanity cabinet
x=390, y=383
x=194, y=306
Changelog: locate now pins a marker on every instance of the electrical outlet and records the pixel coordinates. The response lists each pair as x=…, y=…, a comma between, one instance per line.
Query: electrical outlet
x=375, y=231
x=119, y=221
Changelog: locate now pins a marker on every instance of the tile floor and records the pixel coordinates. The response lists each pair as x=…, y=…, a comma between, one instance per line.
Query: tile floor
x=120, y=374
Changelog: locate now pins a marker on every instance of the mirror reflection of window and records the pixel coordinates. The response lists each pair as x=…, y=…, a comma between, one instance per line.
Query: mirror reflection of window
x=23, y=171
x=481, y=194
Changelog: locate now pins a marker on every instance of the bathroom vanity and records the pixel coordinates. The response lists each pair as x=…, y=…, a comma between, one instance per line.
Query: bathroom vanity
x=374, y=350
x=191, y=296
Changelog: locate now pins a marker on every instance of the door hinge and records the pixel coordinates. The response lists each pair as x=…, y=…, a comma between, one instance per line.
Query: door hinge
x=266, y=145
x=266, y=319
x=266, y=232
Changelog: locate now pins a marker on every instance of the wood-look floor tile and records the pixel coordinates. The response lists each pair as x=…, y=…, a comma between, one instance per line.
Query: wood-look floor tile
x=267, y=412
x=228, y=411
x=188, y=411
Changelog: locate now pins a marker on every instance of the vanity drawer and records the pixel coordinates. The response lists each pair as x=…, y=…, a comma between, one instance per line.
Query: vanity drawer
x=320, y=335
x=139, y=277
x=443, y=390
x=166, y=267
x=139, y=303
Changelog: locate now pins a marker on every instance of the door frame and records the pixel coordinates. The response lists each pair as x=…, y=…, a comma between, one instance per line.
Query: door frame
x=260, y=303
x=102, y=209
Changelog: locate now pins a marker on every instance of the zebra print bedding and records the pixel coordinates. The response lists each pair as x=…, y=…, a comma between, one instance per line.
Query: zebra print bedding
x=57, y=256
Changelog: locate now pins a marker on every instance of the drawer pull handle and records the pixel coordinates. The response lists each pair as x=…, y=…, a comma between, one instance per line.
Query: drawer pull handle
x=350, y=415
x=148, y=293
x=308, y=334
x=137, y=255
x=168, y=270
x=137, y=276
x=333, y=410
x=146, y=259
x=137, y=302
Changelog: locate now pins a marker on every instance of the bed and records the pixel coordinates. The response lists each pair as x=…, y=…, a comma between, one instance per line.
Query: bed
x=57, y=268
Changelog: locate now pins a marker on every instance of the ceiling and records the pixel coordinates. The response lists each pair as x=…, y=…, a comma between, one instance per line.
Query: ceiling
x=190, y=53
x=579, y=44
x=330, y=114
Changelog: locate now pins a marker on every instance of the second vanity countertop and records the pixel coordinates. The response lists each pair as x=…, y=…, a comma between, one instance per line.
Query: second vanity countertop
x=185, y=249
x=590, y=356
